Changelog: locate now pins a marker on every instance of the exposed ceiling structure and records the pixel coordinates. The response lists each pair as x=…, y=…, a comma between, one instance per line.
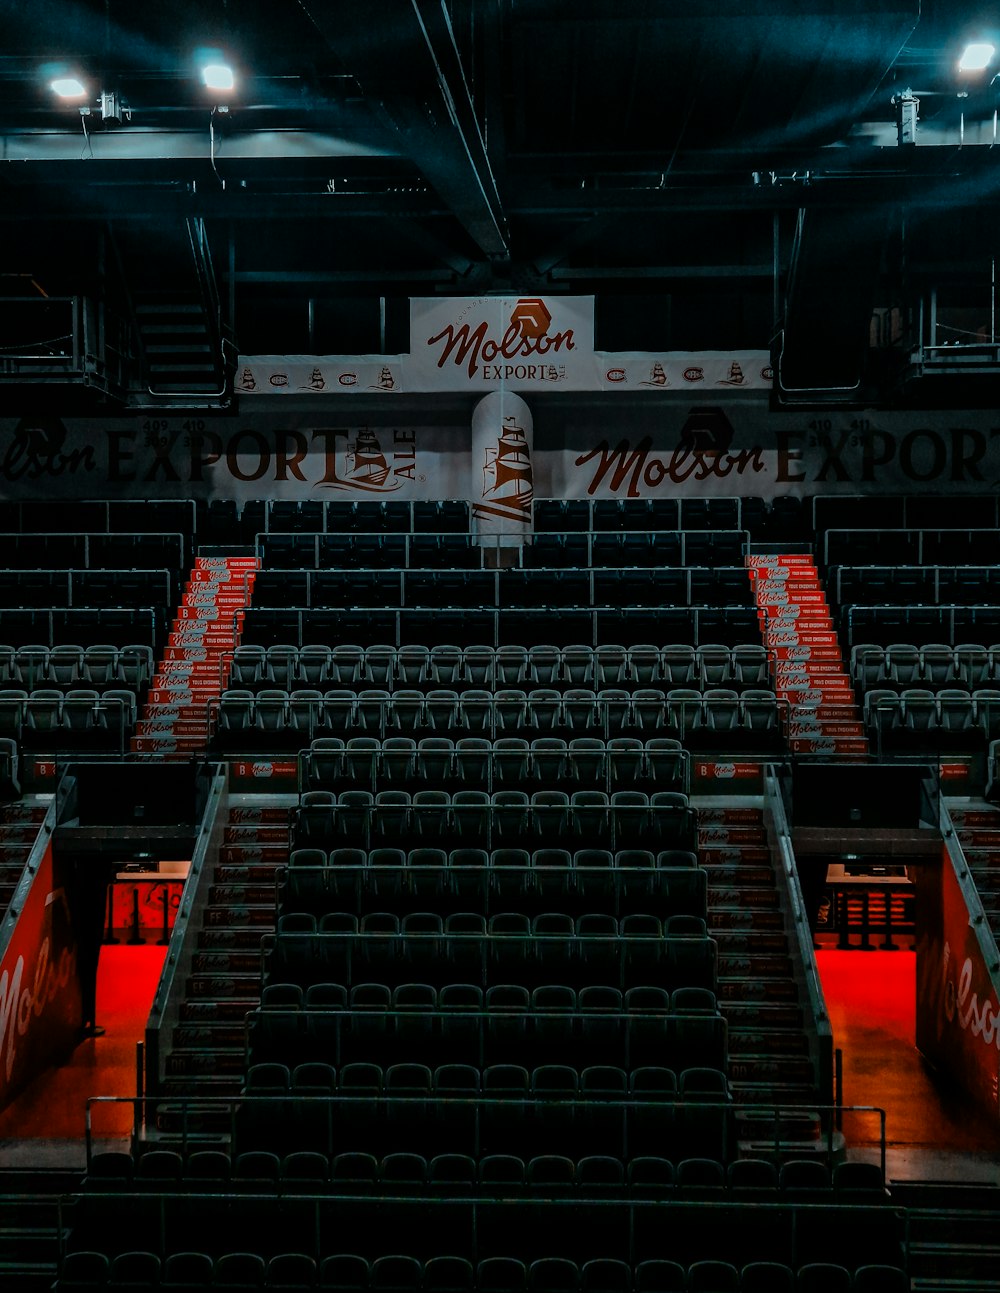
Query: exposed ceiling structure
x=717, y=174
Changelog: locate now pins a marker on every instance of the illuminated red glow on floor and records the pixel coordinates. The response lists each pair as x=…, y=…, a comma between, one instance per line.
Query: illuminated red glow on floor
x=871, y=999
x=869, y=996
x=54, y=1106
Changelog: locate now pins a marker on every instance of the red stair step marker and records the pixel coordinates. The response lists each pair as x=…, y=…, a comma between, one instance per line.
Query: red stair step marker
x=194, y=671
x=821, y=715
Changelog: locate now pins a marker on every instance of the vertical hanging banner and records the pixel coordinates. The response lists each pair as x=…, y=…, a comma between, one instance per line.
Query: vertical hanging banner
x=501, y=485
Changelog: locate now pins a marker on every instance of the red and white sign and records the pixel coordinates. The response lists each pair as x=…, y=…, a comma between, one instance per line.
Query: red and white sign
x=41, y=1008
x=728, y=771
x=485, y=343
x=519, y=343
x=685, y=446
x=958, y=1015
x=502, y=484
x=277, y=768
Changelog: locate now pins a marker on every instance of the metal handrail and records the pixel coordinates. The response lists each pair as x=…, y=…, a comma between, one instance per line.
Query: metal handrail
x=803, y=940
x=199, y=1106
x=164, y=1011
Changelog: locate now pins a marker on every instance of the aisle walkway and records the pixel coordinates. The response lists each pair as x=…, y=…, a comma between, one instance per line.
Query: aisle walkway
x=930, y=1129
x=52, y=1109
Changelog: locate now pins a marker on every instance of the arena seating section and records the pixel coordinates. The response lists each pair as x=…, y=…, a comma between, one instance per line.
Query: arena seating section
x=488, y=1051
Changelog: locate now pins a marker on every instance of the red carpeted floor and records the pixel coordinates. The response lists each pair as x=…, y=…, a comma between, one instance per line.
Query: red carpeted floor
x=871, y=998
x=54, y=1106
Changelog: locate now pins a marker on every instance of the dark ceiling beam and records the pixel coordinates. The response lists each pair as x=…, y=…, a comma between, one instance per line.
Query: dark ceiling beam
x=873, y=146
x=694, y=199
x=491, y=84
x=617, y=273
x=144, y=144
x=318, y=277
x=153, y=205
x=439, y=249
x=294, y=189
x=406, y=60
x=588, y=231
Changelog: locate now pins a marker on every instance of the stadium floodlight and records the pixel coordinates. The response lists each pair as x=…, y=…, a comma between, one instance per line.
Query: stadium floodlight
x=218, y=77
x=68, y=87
x=976, y=57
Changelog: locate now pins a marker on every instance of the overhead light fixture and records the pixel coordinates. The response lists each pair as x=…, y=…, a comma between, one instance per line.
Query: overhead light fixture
x=218, y=77
x=976, y=57
x=68, y=87
x=114, y=109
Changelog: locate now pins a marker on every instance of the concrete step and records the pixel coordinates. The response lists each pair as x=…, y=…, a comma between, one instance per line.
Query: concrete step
x=243, y=987
x=740, y=988
x=734, y=921
x=760, y=967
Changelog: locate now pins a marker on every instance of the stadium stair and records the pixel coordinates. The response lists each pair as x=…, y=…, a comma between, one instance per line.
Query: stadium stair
x=821, y=713
x=978, y=827
x=32, y=1226
x=178, y=348
x=193, y=672
x=769, y=1060
x=952, y=1231
x=19, y=823
x=208, y=1050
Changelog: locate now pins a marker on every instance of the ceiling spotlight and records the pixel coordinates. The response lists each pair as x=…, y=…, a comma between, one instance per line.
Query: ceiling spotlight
x=977, y=57
x=68, y=87
x=218, y=76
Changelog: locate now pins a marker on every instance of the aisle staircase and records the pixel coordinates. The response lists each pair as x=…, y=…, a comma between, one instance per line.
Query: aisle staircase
x=19, y=823
x=978, y=828
x=769, y=1052
x=821, y=714
x=193, y=673
x=32, y=1225
x=181, y=356
x=952, y=1230
x=208, y=1047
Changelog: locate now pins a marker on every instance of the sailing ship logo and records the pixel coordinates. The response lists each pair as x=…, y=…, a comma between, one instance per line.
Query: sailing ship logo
x=507, y=475
x=247, y=381
x=367, y=464
x=657, y=376
x=362, y=463
x=386, y=381
x=707, y=430
x=735, y=378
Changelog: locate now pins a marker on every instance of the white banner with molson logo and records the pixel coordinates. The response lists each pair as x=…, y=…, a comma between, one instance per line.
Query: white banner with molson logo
x=492, y=343
x=676, y=448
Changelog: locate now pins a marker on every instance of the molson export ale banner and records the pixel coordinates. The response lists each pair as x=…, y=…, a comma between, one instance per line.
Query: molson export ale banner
x=523, y=343
x=672, y=446
x=531, y=342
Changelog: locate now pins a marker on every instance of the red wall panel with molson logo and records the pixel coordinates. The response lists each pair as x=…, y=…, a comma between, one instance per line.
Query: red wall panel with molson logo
x=41, y=1009
x=958, y=1017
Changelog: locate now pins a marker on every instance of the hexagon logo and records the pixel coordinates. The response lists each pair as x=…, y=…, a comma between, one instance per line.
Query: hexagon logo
x=708, y=430
x=531, y=316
